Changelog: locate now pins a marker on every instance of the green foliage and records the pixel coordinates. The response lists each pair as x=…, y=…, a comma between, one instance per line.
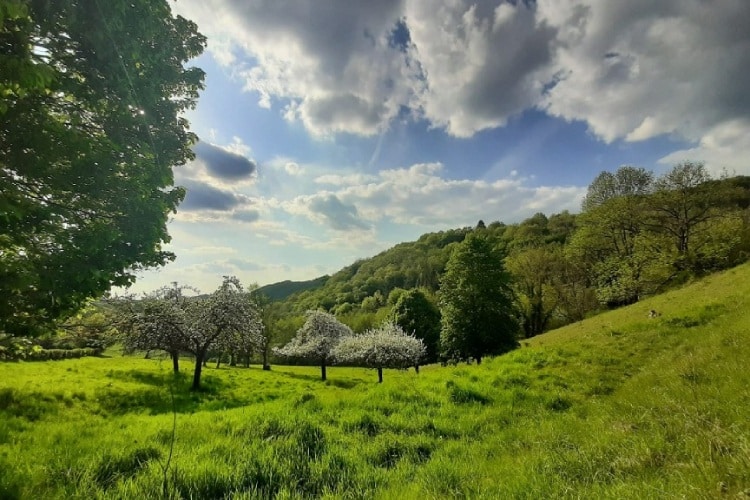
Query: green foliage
x=617, y=406
x=93, y=96
x=369, y=282
x=536, y=282
x=283, y=289
x=415, y=313
x=476, y=301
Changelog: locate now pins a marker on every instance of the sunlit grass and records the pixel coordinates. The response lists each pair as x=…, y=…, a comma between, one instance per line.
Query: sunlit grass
x=619, y=406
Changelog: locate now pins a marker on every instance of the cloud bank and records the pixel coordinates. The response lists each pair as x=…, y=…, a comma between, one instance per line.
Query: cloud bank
x=630, y=70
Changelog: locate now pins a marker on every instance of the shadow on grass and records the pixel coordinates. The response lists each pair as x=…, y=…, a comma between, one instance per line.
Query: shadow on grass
x=166, y=392
x=300, y=376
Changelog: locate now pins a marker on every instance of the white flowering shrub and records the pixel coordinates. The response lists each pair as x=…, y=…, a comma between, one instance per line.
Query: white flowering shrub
x=316, y=339
x=387, y=346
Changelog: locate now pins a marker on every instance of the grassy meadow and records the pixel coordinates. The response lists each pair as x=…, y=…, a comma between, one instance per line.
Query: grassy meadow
x=618, y=406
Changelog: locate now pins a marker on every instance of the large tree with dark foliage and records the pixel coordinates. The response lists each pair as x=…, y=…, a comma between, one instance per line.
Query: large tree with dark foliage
x=476, y=301
x=418, y=316
x=92, y=95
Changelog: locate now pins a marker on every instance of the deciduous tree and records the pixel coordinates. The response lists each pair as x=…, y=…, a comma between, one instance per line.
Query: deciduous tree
x=476, y=301
x=387, y=346
x=416, y=314
x=171, y=321
x=92, y=97
x=316, y=339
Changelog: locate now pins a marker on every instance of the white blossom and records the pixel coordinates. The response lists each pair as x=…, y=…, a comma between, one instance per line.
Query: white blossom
x=387, y=346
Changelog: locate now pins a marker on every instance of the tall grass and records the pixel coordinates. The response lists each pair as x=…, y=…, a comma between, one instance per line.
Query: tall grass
x=618, y=406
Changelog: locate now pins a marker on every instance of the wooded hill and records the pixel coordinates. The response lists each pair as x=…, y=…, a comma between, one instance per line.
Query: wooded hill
x=637, y=235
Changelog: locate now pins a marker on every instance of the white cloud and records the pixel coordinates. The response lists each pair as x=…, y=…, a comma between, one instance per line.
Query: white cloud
x=483, y=62
x=345, y=180
x=420, y=196
x=636, y=70
x=630, y=70
x=293, y=168
x=723, y=148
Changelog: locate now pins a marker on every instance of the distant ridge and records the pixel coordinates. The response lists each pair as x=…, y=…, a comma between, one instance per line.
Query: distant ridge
x=283, y=289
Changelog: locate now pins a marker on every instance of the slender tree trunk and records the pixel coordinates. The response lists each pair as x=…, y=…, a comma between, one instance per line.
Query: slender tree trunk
x=232, y=359
x=218, y=360
x=380, y=375
x=416, y=368
x=175, y=361
x=199, y=360
x=479, y=360
x=323, y=370
x=247, y=361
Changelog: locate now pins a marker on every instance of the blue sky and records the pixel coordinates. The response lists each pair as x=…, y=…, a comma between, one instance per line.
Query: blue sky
x=332, y=130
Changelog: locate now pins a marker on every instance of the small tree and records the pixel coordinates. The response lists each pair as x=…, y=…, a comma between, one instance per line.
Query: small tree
x=385, y=347
x=171, y=321
x=223, y=314
x=316, y=339
x=156, y=322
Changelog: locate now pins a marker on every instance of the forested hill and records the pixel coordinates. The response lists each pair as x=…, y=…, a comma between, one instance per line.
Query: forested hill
x=637, y=235
x=283, y=289
x=418, y=264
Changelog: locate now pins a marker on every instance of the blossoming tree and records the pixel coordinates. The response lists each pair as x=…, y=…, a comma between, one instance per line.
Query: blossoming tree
x=387, y=346
x=316, y=339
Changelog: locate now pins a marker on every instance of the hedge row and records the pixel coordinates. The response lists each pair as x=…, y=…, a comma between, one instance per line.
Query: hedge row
x=47, y=354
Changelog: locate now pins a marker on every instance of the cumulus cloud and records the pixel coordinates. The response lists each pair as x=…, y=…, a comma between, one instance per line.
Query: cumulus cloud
x=422, y=197
x=202, y=196
x=721, y=148
x=338, y=215
x=223, y=164
x=636, y=70
x=631, y=70
x=483, y=61
x=344, y=180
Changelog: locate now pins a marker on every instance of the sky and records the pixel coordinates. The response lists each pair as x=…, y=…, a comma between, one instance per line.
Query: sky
x=331, y=130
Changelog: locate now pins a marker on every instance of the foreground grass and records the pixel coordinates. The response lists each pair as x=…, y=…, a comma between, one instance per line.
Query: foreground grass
x=618, y=406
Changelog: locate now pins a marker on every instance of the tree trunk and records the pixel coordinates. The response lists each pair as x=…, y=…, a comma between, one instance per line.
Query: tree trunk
x=218, y=360
x=175, y=361
x=380, y=375
x=479, y=360
x=199, y=360
x=232, y=359
x=266, y=364
x=416, y=368
x=323, y=370
x=247, y=361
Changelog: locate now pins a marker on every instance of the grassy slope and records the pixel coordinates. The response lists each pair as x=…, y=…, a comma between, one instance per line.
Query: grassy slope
x=618, y=406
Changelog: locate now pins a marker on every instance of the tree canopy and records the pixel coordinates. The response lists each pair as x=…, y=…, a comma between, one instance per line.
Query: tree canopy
x=387, y=346
x=170, y=321
x=476, y=301
x=92, y=96
x=316, y=339
x=418, y=315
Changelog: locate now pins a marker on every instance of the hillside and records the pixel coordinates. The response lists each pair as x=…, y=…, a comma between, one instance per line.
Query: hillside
x=617, y=406
x=283, y=289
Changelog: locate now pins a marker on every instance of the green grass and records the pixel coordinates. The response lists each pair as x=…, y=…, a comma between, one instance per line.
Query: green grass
x=618, y=406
